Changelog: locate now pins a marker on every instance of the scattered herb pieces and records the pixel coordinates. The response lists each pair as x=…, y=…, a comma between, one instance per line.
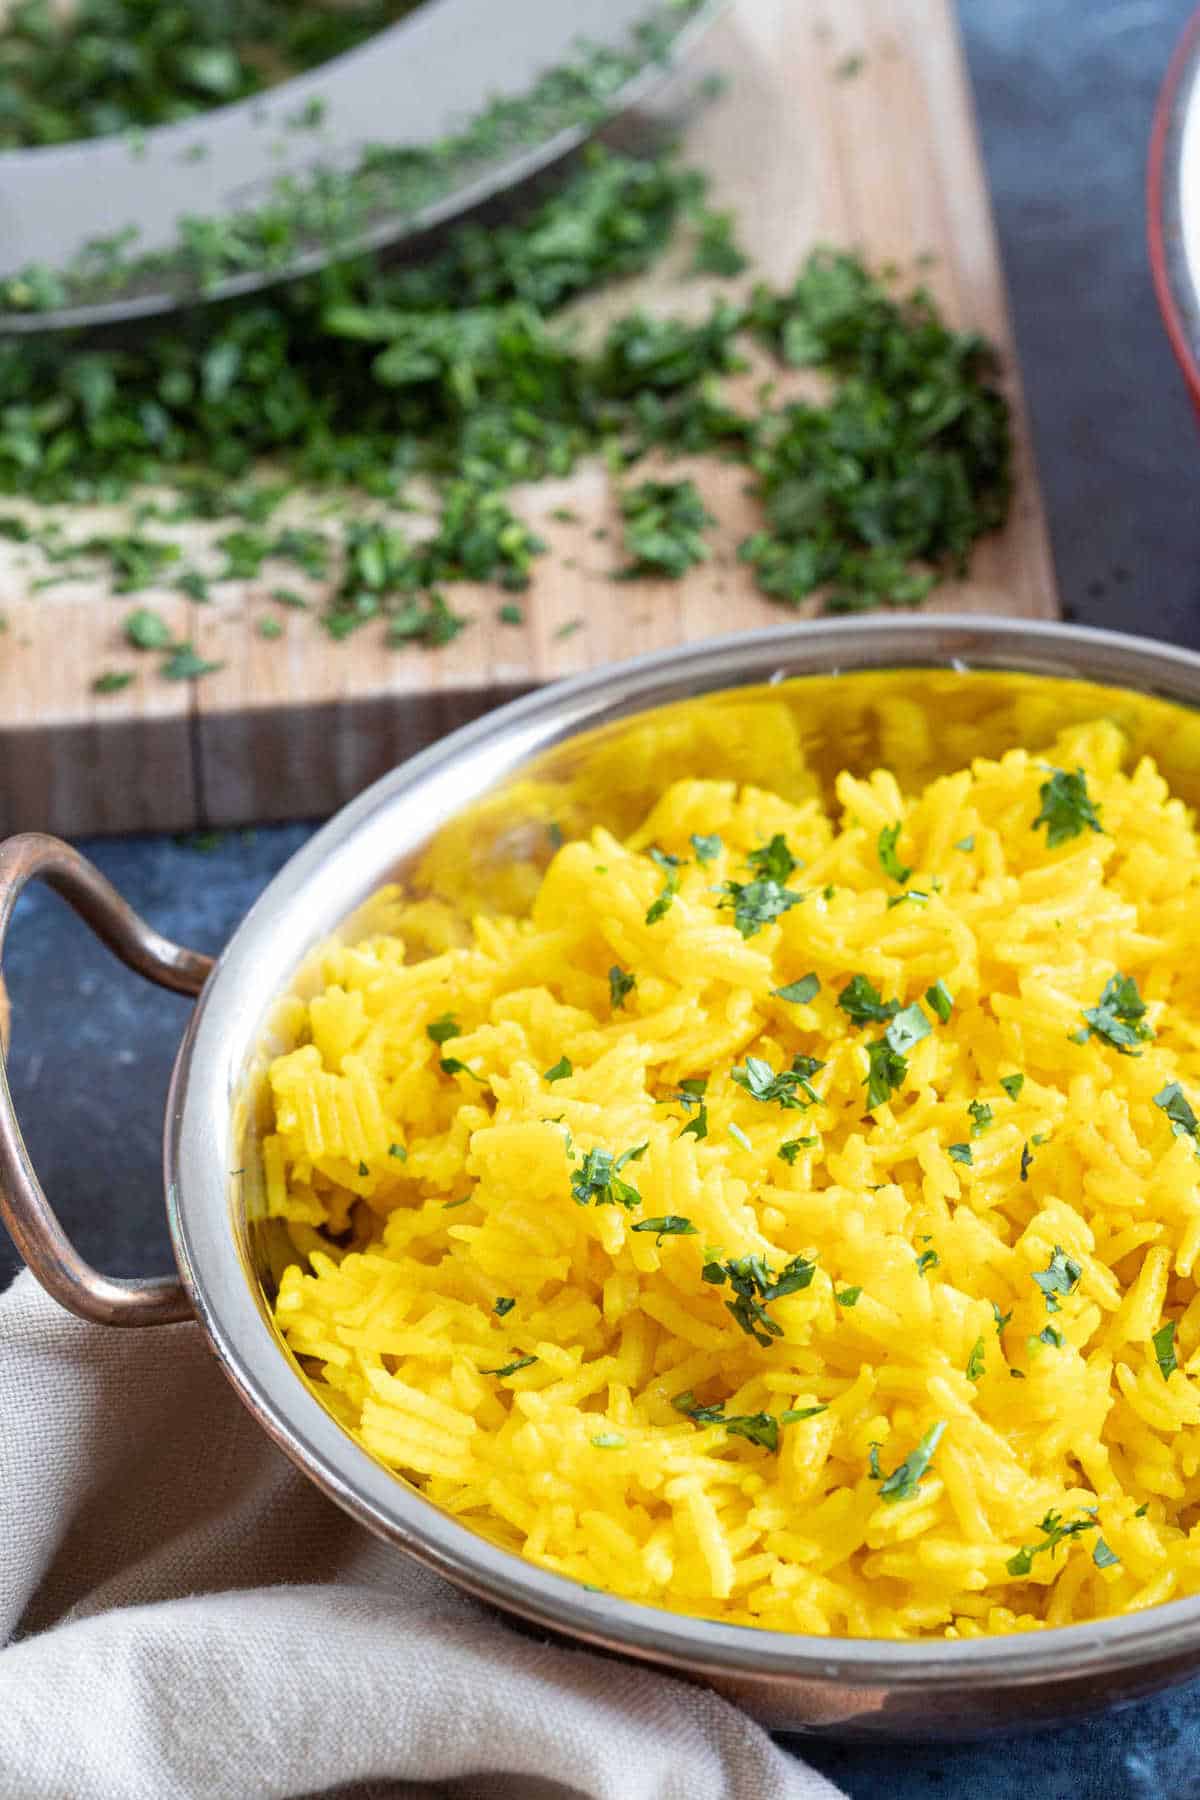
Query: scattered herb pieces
x=1061, y=1276
x=184, y=664
x=1174, y=1102
x=620, y=985
x=1164, y=1349
x=522, y=1362
x=1103, y=1556
x=664, y=528
x=800, y=992
x=147, y=630
x=707, y=848
x=598, y=1178
x=1118, y=1018
x=889, y=862
x=905, y=1478
x=860, y=1001
x=755, y=1287
x=1055, y=1531
x=443, y=1029
x=940, y=1000
x=670, y=865
x=977, y=1361
x=981, y=1117
x=960, y=1153
x=112, y=681
x=1067, y=809
x=562, y=1068
x=928, y=1259
x=503, y=1306
x=848, y=1296
x=1026, y=1161
x=669, y=1225
x=1012, y=1085
x=780, y=1088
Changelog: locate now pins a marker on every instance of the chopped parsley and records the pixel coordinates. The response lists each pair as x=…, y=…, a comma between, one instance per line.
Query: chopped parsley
x=1061, y=1276
x=889, y=862
x=665, y=523
x=620, y=985
x=1002, y=1319
x=789, y=1151
x=916, y=895
x=966, y=843
x=147, y=630
x=1164, y=1349
x=940, y=1000
x=800, y=992
x=862, y=1002
x=755, y=1287
x=669, y=1225
x=1012, y=1085
x=560, y=1071
x=111, y=681
x=887, y=1061
x=670, y=865
x=1055, y=1531
x=960, y=1153
x=707, y=848
x=697, y=1127
x=1103, y=1555
x=452, y=1065
x=398, y=1151
x=1118, y=1018
x=905, y=1478
x=503, y=1306
x=848, y=1296
x=522, y=1362
x=363, y=1169
x=757, y=903
x=1049, y=1335
x=183, y=664
x=981, y=1117
x=773, y=861
x=928, y=1259
x=1067, y=809
x=977, y=1361
x=760, y=1428
x=763, y=1083
x=443, y=1029
x=1026, y=1161
x=598, y=1178
x=1174, y=1102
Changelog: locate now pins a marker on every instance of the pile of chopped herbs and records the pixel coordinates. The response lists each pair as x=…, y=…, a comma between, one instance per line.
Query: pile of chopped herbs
x=100, y=67
x=464, y=372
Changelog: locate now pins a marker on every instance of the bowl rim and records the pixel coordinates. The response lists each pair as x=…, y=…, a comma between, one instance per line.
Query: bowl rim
x=202, y=1201
x=1168, y=264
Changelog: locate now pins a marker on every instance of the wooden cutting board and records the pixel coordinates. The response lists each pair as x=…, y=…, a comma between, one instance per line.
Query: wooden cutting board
x=845, y=122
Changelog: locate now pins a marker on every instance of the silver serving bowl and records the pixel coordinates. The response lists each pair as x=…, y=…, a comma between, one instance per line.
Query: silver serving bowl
x=225, y=1254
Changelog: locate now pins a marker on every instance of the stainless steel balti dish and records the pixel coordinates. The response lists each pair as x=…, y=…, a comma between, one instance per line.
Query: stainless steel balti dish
x=224, y=1247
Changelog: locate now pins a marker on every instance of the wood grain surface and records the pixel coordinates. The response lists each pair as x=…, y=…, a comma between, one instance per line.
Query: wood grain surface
x=884, y=159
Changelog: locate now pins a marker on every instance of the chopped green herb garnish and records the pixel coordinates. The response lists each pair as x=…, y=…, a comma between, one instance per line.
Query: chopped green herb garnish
x=449, y=1205
x=981, y=1117
x=916, y=895
x=960, y=1153
x=1049, y=1335
x=598, y=1178
x=112, y=681
x=697, y=1127
x=503, y=1306
x=1055, y=1531
x=756, y=1287
x=669, y=1225
x=510, y=614
x=1174, y=1102
x=773, y=861
x=443, y=1029
x=940, y=1000
x=977, y=1361
x=717, y=252
x=707, y=848
x=269, y=628
x=183, y=664
x=1067, y=809
x=363, y=1169
x=907, y=1028
x=451, y=1065
x=1118, y=1018
x=762, y=1082
x=1061, y=1276
x=562, y=1068
x=1164, y=1349
x=398, y=1151
x=789, y=1151
x=801, y=992
x=735, y=1131
x=889, y=862
x=928, y=1259
x=886, y=1070
x=1012, y=1085
x=1103, y=1556
x=148, y=630
x=860, y=1001
x=904, y=1480
x=759, y=902
x=848, y=1296
x=665, y=523
x=1026, y=1161
x=522, y=1362
x=620, y=985
x=967, y=843
x=670, y=865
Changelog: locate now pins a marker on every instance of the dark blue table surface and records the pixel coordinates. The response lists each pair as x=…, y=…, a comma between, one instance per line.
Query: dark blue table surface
x=1065, y=90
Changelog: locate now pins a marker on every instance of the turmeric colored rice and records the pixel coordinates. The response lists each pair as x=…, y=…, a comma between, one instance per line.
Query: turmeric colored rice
x=794, y=1219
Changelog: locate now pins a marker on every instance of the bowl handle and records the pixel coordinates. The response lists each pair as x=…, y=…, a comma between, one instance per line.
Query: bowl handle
x=24, y=1208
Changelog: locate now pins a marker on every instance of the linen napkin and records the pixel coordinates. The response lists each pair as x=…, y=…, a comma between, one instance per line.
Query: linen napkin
x=183, y=1614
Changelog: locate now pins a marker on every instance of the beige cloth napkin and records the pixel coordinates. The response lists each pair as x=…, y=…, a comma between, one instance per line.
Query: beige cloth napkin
x=183, y=1614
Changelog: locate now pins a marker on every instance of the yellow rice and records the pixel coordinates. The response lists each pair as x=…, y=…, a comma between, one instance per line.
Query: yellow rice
x=418, y=1197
